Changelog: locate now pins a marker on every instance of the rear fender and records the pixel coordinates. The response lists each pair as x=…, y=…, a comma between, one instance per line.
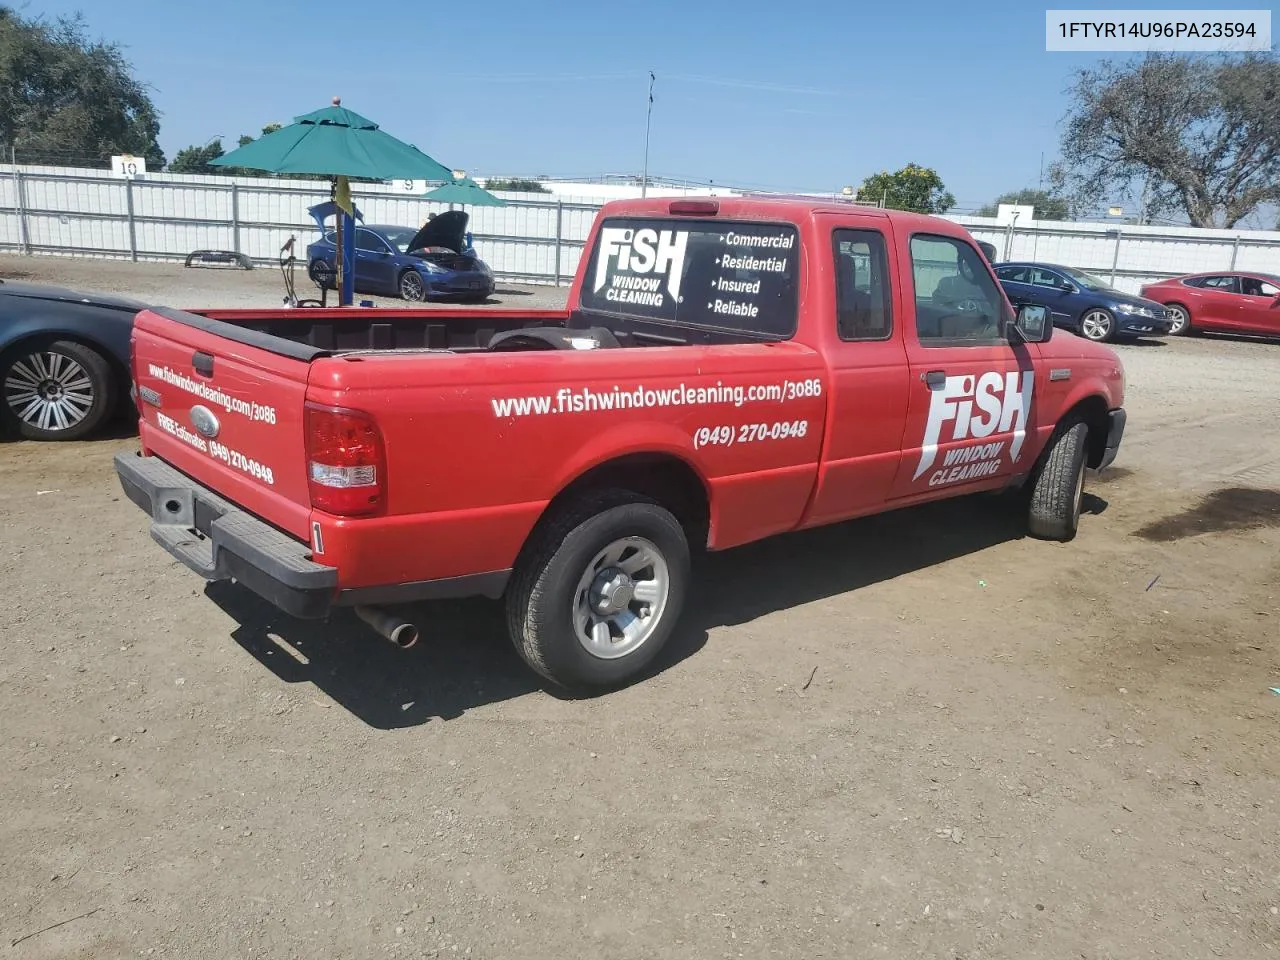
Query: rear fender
x=627, y=440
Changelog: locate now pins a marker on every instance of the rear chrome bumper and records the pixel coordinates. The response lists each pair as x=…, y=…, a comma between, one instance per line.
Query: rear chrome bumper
x=220, y=541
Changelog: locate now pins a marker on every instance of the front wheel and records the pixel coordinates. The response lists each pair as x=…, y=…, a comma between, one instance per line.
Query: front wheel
x=1098, y=325
x=1181, y=320
x=1058, y=492
x=56, y=391
x=412, y=286
x=599, y=590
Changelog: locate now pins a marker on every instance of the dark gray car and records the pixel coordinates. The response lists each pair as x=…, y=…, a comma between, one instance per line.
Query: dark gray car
x=64, y=360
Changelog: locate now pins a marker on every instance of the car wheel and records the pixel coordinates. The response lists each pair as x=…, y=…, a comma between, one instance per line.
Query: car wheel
x=1058, y=491
x=412, y=286
x=598, y=591
x=1181, y=320
x=60, y=390
x=1098, y=325
x=322, y=274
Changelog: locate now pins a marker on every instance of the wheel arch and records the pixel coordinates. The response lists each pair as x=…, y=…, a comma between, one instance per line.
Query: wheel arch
x=1095, y=411
x=664, y=477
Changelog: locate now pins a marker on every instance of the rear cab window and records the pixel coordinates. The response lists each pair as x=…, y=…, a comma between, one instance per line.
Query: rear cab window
x=735, y=277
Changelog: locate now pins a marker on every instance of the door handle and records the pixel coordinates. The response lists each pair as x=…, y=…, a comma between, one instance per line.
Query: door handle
x=202, y=363
x=934, y=378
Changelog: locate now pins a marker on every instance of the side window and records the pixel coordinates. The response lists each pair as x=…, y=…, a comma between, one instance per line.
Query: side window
x=957, y=302
x=330, y=236
x=1224, y=284
x=1014, y=274
x=863, y=304
x=366, y=240
x=1253, y=287
x=1047, y=278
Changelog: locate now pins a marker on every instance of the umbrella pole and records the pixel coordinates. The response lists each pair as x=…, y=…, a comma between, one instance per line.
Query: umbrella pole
x=340, y=245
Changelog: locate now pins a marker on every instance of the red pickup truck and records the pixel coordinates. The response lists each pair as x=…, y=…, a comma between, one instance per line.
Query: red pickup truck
x=726, y=369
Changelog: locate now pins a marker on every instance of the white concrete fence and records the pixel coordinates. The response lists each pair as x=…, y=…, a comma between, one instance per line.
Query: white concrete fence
x=535, y=239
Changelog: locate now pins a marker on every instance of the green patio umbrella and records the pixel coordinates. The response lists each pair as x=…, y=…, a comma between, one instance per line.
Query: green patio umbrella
x=337, y=142
x=466, y=192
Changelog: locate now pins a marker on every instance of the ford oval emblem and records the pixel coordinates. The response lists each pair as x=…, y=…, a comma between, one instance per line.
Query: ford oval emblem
x=204, y=421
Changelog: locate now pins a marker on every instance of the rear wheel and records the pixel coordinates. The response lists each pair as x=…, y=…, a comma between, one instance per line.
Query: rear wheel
x=59, y=390
x=412, y=286
x=1057, y=493
x=1181, y=320
x=599, y=590
x=1097, y=325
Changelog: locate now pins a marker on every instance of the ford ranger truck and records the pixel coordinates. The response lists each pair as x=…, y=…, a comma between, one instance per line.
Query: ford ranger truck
x=725, y=370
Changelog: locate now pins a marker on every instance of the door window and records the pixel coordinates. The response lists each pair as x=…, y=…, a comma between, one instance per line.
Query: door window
x=1255, y=287
x=370, y=242
x=957, y=301
x=1224, y=284
x=863, y=306
x=1014, y=274
x=1047, y=278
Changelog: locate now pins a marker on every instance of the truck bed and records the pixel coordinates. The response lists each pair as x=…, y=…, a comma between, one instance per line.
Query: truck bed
x=339, y=330
x=326, y=331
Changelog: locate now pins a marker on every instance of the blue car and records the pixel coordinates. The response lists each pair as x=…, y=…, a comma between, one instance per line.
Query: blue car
x=1082, y=303
x=435, y=262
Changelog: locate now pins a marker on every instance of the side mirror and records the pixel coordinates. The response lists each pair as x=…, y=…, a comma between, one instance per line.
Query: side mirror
x=1032, y=323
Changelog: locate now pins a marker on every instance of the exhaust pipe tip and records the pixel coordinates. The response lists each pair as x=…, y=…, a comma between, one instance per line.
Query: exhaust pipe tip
x=404, y=636
x=386, y=624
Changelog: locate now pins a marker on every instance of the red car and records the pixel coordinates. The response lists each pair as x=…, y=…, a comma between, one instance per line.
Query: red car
x=1221, y=302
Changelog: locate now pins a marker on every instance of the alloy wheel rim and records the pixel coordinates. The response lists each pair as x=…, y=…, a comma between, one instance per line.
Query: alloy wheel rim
x=49, y=391
x=1179, y=319
x=411, y=286
x=621, y=598
x=1096, y=324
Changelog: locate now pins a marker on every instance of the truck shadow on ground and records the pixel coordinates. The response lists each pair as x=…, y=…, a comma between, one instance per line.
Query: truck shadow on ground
x=465, y=660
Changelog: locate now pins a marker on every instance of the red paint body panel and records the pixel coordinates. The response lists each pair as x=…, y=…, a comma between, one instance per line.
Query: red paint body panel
x=1217, y=310
x=782, y=435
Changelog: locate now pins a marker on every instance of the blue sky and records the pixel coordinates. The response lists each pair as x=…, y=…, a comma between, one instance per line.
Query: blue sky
x=800, y=95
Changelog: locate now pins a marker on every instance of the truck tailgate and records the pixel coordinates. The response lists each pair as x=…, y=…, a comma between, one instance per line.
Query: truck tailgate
x=227, y=412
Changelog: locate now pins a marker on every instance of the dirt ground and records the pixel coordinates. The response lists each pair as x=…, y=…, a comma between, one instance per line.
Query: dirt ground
x=174, y=285
x=919, y=735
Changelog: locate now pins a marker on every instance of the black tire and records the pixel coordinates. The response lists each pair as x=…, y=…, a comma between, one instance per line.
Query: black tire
x=55, y=390
x=544, y=592
x=1057, y=491
x=1185, y=329
x=412, y=286
x=322, y=275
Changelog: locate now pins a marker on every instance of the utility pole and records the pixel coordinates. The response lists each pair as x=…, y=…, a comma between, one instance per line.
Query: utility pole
x=644, y=177
x=1040, y=186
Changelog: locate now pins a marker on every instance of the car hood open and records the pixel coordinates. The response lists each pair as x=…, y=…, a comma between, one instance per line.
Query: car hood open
x=446, y=230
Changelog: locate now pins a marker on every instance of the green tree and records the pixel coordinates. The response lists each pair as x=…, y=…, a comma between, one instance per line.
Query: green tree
x=1192, y=135
x=912, y=188
x=64, y=97
x=1048, y=205
x=198, y=159
x=515, y=185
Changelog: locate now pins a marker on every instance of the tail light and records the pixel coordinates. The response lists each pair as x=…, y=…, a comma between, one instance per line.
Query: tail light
x=346, y=461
